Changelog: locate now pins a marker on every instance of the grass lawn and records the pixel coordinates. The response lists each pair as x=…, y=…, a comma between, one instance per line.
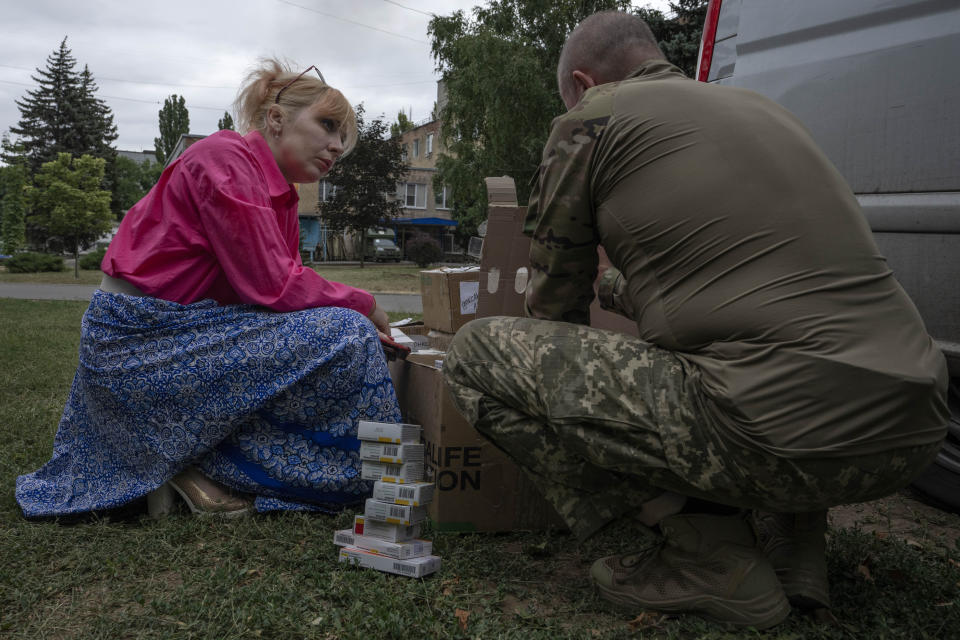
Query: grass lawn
x=53, y=277
x=376, y=278
x=373, y=277
x=893, y=564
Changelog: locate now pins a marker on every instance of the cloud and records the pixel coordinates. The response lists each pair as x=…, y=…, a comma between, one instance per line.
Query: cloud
x=141, y=52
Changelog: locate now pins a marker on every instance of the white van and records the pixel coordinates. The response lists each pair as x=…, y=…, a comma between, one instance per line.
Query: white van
x=877, y=84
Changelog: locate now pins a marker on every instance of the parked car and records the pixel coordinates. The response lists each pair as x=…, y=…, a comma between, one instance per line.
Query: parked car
x=382, y=249
x=876, y=83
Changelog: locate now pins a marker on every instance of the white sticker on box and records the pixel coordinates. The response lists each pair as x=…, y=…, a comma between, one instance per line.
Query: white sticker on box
x=493, y=280
x=520, y=281
x=469, y=294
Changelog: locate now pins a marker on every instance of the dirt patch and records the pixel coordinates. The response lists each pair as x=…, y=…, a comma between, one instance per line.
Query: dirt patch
x=902, y=515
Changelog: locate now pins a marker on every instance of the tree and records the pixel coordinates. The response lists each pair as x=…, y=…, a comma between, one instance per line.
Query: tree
x=226, y=122
x=364, y=182
x=174, y=122
x=679, y=36
x=401, y=126
x=67, y=201
x=133, y=181
x=500, y=72
x=13, y=181
x=12, y=151
x=94, y=131
x=95, y=134
x=63, y=115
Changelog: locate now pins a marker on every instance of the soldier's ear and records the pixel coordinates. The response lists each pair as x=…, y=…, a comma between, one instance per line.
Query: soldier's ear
x=581, y=82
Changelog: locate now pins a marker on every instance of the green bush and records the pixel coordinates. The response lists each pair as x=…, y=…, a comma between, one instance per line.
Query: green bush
x=424, y=250
x=93, y=259
x=34, y=262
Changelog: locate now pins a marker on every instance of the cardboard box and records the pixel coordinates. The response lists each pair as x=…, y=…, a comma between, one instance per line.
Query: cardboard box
x=426, y=338
x=411, y=567
x=401, y=550
x=415, y=494
x=393, y=513
x=504, y=263
x=501, y=191
x=477, y=487
x=384, y=530
x=401, y=338
x=505, y=272
x=388, y=432
x=391, y=453
x=396, y=473
x=449, y=297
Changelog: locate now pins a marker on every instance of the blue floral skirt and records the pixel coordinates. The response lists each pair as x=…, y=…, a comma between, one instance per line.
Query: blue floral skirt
x=264, y=402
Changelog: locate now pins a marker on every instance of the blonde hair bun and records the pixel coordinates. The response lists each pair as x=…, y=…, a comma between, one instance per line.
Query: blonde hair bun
x=264, y=82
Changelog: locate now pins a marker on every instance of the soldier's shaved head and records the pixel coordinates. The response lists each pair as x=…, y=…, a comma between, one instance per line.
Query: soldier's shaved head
x=607, y=46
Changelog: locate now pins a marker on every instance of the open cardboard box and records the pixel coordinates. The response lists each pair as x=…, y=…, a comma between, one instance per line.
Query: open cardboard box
x=477, y=487
x=505, y=264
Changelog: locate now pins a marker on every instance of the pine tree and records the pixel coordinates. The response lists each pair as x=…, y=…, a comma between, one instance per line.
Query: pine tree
x=94, y=131
x=63, y=115
x=95, y=134
x=174, y=122
x=47, y=114
x=226, y=122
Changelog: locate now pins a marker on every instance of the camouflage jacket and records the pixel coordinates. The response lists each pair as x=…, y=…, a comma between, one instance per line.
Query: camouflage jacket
x=560, y=213
x=740, y=248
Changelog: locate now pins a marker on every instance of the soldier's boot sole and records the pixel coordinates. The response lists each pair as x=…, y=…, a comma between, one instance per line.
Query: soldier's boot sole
x=761, y=612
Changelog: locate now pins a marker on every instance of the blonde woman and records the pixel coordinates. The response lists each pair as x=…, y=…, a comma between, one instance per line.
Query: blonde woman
x=212, y=363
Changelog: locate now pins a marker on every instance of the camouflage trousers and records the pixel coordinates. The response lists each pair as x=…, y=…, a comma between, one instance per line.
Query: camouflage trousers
x=602, y=422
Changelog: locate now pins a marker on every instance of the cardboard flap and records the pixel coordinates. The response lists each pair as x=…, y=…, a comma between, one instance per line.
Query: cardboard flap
x=505, y=263
x=501, y=192
x=505, y=271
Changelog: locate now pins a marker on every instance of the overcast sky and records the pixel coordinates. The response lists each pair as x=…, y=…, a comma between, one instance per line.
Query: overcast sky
x=375, y=51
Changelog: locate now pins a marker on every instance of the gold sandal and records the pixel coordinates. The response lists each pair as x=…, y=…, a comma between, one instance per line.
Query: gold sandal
x=203, y=496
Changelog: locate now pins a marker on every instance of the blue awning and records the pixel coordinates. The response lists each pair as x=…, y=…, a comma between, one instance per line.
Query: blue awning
x=426, y=221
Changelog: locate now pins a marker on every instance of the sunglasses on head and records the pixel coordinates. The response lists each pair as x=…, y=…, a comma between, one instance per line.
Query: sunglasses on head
x=284, y=87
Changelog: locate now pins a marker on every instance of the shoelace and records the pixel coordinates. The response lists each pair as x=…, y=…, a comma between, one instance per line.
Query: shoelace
x=630, y=561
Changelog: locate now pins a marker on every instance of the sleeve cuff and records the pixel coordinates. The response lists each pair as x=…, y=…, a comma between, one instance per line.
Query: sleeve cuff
x=373, y=303
x=607, y=288
x=613, y=295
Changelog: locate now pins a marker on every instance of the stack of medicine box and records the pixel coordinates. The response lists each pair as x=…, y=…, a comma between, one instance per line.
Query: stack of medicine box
x=385, y=537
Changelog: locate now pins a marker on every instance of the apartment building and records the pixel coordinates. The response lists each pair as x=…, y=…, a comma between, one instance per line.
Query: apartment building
x=426, y=208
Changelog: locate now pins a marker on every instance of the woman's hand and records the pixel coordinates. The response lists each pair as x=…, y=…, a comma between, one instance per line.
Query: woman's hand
x=379, y=318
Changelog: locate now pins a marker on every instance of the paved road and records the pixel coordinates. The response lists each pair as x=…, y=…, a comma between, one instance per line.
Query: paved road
x=402, y=302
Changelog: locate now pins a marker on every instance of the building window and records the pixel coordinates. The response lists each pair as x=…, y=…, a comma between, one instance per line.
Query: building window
x=414, y=195
x=404, y=148
x=416, y=148
x=327, y=191
x=429, y=144
x=442, y=198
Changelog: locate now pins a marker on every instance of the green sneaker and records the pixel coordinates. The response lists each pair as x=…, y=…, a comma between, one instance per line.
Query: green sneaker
x=706, y=565
x=795, y=545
